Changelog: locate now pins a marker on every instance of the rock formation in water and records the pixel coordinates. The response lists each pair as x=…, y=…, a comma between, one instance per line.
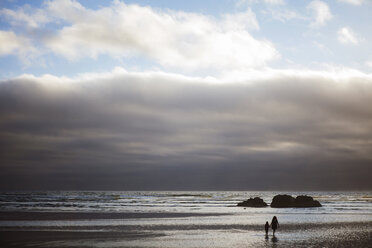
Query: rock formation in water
x=287, y=201
x=253, y=202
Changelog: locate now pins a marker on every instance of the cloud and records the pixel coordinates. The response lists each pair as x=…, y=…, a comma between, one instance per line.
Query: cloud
x=173, y=39
x=18, y=45
x=268, y=2
x=240, y=21
x=353, y=2
x=283, y=15
x=322, y=13
x=31, y=17
x=275, y=2
x=369, y=64
x=13, y=44
x=346, y=35
x=138, y=129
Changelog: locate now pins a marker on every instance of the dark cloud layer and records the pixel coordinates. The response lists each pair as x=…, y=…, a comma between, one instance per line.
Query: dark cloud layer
x=161, y=131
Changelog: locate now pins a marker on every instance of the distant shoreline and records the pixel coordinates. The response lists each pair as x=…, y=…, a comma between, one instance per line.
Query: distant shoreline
x=50, y=215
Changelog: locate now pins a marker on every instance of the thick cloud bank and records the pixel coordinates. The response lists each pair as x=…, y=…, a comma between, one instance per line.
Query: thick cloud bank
x=153, y=130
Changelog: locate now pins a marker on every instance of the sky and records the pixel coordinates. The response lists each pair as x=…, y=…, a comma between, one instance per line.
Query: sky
x=186, y=95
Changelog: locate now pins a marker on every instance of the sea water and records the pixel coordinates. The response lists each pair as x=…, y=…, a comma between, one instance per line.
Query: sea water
x=340, y=203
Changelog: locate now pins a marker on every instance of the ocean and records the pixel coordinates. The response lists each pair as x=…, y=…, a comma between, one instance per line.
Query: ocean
x=180, y=219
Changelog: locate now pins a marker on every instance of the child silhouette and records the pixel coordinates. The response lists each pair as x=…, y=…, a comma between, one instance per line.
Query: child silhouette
x=267, y=227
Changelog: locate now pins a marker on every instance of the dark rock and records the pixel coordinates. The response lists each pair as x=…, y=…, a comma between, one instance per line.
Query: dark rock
x=253, y=202
x=304, y=201
x=287, y=201
x=282, y=201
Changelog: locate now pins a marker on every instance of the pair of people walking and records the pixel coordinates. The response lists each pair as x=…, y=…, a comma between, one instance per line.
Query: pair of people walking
x=274, y=225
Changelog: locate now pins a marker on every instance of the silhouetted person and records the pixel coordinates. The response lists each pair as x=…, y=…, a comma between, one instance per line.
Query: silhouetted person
x=274, y=224
x=267, y=227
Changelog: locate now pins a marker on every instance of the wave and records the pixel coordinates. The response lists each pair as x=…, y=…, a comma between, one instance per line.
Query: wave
x=208, y=201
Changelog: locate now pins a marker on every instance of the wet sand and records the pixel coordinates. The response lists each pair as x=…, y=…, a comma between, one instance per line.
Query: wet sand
x=64, y=238
x=168, y=230
x=206, y=238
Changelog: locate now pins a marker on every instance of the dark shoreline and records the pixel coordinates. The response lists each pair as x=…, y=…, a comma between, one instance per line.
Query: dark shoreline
x=41, y=238
x=287, y=227
x=31, y=215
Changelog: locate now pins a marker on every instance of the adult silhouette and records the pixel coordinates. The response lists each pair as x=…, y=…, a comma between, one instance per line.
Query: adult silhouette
x=274, y=224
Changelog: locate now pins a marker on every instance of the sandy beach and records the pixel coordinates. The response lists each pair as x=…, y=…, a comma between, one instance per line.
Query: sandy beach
x=74, y=229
